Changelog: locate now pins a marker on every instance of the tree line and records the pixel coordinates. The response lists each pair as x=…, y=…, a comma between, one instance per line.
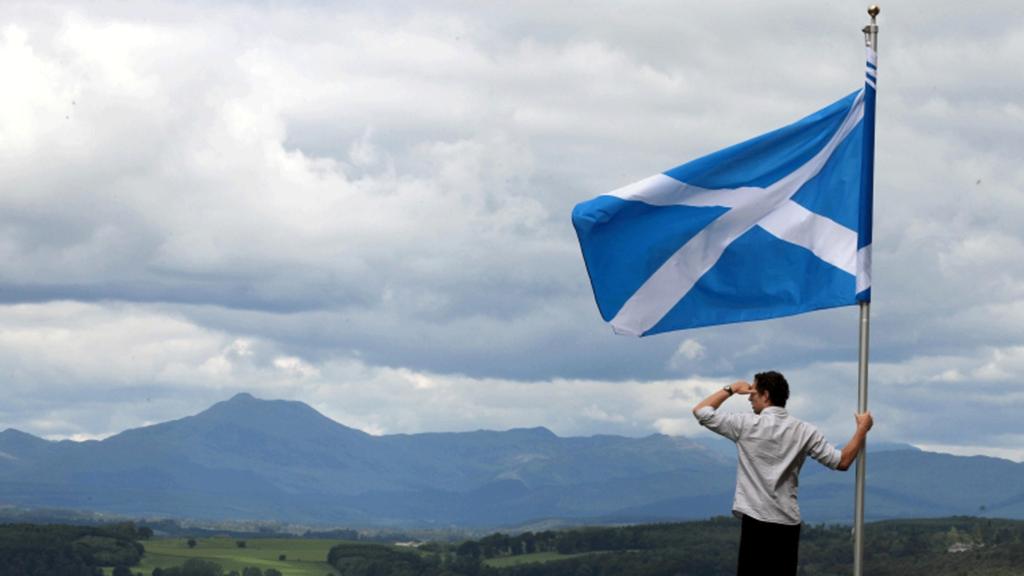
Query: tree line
x=62, y=550
x=65, y=550
x=961, y=546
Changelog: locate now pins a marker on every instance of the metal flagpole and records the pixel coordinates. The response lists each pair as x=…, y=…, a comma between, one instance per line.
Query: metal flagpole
x=862, y=406
x=871, y=39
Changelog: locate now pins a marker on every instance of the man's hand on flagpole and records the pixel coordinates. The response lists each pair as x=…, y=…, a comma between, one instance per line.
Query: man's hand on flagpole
x=854, y=446
x=864, y=421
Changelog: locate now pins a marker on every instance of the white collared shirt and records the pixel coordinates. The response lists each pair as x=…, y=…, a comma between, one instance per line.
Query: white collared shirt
x=771, y=448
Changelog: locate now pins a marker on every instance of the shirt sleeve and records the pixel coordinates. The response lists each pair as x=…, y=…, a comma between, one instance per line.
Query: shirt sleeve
x=820, y=449
x=729, y=425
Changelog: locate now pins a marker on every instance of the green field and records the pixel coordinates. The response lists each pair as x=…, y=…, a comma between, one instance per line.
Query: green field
x=303, y=557
x=506, y=561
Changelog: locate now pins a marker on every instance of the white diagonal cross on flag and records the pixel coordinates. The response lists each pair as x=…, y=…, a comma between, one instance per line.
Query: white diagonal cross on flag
x=771, y=208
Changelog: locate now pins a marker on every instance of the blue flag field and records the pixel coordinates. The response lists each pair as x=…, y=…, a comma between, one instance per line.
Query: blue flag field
x=774, y=226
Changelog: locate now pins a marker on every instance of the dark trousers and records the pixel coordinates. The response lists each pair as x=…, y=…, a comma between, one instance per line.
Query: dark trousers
x=767, y=549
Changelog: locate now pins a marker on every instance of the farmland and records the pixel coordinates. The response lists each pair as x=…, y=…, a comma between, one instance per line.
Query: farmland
x=302, y=557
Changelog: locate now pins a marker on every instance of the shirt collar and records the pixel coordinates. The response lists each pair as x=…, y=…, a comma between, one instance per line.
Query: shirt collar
x=777, y=410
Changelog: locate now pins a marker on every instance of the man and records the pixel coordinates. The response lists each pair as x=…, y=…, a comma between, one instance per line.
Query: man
x=771, y=447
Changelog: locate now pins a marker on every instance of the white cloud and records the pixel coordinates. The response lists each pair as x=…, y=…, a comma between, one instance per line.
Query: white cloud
x=1008, y=453
x=688, y=351
x=598, y=414
x=677, y=426
x=295, y=367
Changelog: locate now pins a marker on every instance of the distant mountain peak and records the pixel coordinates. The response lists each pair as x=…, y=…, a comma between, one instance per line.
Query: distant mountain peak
x=15, y=433
x=246, y=402
x=289, y=417
x=13, y=440
x=533, y=431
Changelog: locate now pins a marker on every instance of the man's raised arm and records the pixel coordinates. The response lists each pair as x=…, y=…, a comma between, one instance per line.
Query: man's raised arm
x=722, y=394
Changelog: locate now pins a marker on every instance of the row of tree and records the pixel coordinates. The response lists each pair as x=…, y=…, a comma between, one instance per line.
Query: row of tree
x=579, y=541
x=54, y=549
x=937, y=547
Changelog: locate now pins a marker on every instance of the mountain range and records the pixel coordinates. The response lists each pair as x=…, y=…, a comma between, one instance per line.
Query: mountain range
x=252, y=459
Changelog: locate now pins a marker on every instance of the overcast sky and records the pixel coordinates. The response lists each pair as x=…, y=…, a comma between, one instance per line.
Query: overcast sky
x=365, y=206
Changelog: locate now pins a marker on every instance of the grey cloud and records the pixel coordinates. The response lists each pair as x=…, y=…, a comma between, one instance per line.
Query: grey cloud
x=399, y=194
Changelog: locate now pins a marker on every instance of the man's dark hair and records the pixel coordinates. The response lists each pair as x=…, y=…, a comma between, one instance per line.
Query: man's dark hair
x=775, y=385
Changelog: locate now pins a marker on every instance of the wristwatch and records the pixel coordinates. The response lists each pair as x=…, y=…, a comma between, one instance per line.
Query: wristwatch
x=728, y=389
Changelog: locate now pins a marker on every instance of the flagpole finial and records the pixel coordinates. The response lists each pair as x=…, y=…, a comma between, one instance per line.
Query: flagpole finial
x=871, y=30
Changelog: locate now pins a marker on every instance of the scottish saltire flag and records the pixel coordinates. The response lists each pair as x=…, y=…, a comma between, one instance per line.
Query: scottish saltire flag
x=774, y=226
